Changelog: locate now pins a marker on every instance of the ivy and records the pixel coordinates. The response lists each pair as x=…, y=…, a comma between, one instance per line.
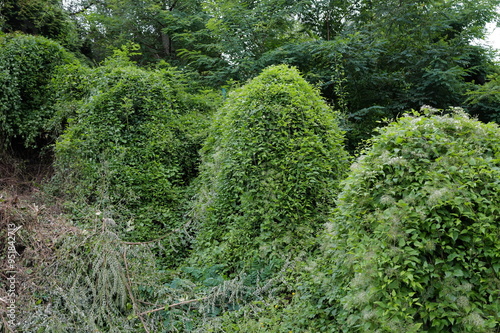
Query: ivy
x=130, y=145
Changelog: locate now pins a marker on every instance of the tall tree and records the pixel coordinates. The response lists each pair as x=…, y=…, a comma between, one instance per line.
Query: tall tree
x=393, y=56
x=326, y=19
x=161, y=27
x=250, y=28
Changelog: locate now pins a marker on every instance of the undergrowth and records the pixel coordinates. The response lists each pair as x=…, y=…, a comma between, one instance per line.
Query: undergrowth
x=74, y=279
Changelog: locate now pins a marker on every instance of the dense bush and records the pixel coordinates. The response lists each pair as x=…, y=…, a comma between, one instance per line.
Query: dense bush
x=414, y=245
x=270, y=171
x=27, y=65
x=131, y=145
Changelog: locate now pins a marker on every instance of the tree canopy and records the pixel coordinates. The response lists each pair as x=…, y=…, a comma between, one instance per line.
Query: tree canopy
x=376, y=58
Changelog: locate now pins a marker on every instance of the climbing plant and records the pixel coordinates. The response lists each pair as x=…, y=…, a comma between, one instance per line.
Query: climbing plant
x=414, y=243
x=27, y=65
x=270, y=171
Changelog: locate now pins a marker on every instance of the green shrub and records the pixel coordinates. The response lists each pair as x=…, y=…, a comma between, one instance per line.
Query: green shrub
x=131, y=146
x=414, y=245
x=269, y=171
x=47, y=18
x=27, y=65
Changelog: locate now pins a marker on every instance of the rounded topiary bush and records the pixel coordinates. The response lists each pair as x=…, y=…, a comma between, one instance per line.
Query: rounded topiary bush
x=131, y=149
x=27, y=65
x=414, y=245
x=270, y=171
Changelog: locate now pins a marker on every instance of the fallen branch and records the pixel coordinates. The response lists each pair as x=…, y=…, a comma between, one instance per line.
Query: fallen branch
x=173, y=305
x=151, y=241
x=6, y=325
x=131, y=294
x=159, y=238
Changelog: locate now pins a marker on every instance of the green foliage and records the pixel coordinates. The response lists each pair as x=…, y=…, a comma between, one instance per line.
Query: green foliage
x=484, y=101
x=414, y=243
x=45, y=18
x=327, y=18
x=27, y=65
x=270, y=172
x=381, y=78
x=132, y=144
x=247, y=29
x=396, y=55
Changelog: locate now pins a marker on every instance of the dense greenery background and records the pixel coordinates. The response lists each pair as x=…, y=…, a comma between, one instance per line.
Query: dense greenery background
x=202, y=150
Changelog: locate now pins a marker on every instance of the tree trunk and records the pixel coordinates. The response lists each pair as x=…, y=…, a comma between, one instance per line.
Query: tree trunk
x=167, y=43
